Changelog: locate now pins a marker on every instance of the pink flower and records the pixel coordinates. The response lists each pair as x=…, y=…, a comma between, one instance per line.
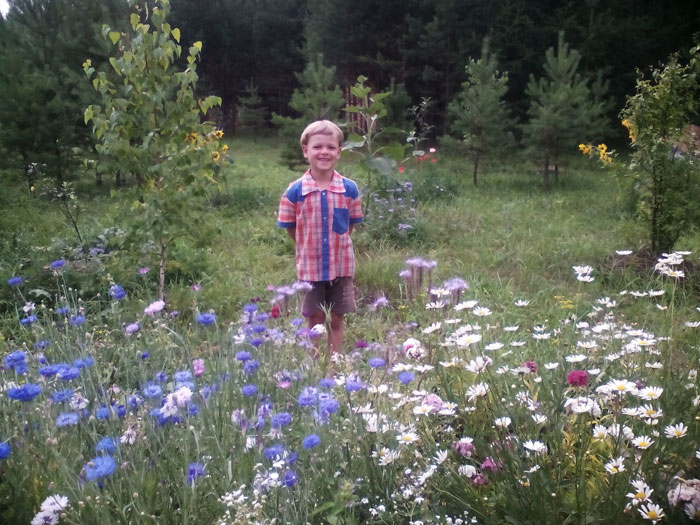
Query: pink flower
x=463, y=447
x=433, y=400
x=479, y=479
x=433, y=161
x=490, y=464
x=144, y=270
x=196, y=287
x=155, y=307
x=577, y=378
x=531, y=366
x=401, y=169
x=198, y=365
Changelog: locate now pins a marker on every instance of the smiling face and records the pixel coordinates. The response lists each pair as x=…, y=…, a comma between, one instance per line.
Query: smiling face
x=322, y=151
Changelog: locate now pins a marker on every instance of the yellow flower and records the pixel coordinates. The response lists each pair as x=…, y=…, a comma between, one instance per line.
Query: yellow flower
x=585, y=149
x=191, y=137
x=224, y=148
x=218, y=133
x=602, y=148
x=630, y=128
x=215, y=155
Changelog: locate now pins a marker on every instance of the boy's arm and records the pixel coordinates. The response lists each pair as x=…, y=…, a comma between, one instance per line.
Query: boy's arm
x=292, y=232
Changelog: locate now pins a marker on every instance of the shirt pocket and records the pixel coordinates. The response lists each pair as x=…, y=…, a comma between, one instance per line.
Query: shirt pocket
x=341, y=220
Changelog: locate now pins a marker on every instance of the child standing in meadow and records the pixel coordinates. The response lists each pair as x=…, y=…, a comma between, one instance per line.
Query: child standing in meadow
x=319, y=211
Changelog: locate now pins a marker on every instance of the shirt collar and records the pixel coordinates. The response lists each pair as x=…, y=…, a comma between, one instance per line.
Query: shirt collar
x=308, y=184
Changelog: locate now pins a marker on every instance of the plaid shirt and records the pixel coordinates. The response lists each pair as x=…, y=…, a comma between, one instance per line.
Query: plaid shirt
x=322, y=219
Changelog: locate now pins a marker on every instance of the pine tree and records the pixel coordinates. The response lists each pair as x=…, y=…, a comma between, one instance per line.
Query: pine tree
x=561, y=109
x=251, y=112
x=479, y=113
x=318, y=98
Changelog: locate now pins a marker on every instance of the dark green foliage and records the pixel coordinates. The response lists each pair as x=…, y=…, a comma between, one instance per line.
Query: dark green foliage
x=664, y=159
x=562, y=109
x=478, y=112
x=42, y=44
x=251, y=113
x=318, y=98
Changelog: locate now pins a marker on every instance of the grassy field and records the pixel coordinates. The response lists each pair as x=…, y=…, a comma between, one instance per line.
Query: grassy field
x=449, y=403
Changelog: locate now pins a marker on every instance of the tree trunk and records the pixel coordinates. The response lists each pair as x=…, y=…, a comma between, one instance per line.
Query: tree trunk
x=476, y=168
x=556, y=174
x=545, y=175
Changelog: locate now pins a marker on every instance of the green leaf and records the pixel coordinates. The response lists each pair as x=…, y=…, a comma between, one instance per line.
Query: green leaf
x=114, y=36
x=176, y=34
x=383, y=165
x=134, y=20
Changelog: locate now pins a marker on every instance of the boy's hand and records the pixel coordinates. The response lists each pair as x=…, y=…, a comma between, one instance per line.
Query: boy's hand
x=292, y=232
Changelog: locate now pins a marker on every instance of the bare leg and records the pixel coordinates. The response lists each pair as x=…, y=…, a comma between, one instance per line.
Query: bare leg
x=335, y=336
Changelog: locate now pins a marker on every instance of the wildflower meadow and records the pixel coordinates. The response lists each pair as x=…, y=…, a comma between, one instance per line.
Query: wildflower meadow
x=460, y=397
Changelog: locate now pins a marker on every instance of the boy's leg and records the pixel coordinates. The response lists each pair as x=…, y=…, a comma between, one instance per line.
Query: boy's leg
x=335, y=335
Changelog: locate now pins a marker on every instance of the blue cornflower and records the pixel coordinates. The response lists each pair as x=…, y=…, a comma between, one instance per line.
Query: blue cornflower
x=63, y=310
x=307, y=397
x=330, y=405
x=251, y=367
x=61, y=396
x=297, y=321
x=66, y=419
x=182, y=375
x=377, y=362
x=151, y=390
x=42, y=345
x=206, y=318
x=161, y=377
x=49, y=370
x=281, y=419
x=106, y=444
x=5, y=450
x=405, y=377
x=192, y=409
x=117, y=292
x=256, y=341
x=311, y=441
x=259, y=328
x=290, y=478
x=134, y=401
x=100, y=467
x=353, y=384
x=262, y=317
x=265, y=407
x=243, y=355
x=145, y=355
x=14, y=281
x=194, y=471
x=326, y=382
x=76, y=320
x=274, y=452
x=188, y=384
x=24, y=393
x=83, y=362
x=68, y=373
x=121, y=411
x=250, y=308
x=249, y=390
x=60, y=263
x=28, y=320
x=15, y=359
x=103, y=412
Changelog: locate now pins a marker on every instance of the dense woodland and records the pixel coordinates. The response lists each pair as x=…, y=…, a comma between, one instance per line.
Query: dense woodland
x=416, y=48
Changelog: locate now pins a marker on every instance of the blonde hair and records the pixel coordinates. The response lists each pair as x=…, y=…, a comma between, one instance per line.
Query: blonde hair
x=321, y=127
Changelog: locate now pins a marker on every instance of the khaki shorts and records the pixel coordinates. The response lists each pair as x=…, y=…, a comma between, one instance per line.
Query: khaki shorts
x=337, y=295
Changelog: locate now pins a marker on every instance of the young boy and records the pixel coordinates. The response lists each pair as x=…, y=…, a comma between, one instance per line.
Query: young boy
x=319, y=211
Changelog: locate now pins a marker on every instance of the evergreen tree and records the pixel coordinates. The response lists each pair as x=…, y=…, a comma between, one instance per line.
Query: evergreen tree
x=560, y=111
x=479, y=113
x=251, y=113
x=318, y=98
